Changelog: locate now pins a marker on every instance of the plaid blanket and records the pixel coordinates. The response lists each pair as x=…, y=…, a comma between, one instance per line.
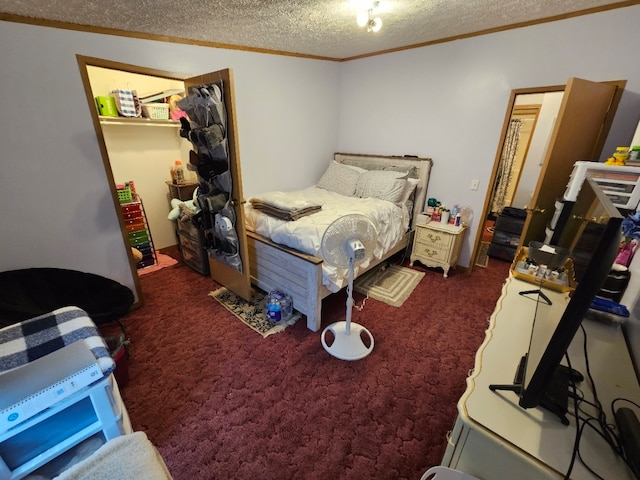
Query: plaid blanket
x=26, y=341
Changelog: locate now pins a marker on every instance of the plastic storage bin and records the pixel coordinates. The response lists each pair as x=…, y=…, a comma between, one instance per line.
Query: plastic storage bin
x=157, y=111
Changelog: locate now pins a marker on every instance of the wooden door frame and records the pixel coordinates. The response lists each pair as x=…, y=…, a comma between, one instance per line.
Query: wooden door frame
x=505, y=125
x=83, y=63
x=496, y=162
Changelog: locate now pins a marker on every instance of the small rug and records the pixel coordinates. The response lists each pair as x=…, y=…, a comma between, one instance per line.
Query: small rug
x=252, y=313
x=482, y=259
x=392, y=285
x=163, y=261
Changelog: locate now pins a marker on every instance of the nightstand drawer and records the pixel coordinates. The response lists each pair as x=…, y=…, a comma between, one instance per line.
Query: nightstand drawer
x=430, y=251
x=433, y=239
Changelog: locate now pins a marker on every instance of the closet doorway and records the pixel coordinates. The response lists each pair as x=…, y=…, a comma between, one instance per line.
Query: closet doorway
x=152, y=146
x=136, y=149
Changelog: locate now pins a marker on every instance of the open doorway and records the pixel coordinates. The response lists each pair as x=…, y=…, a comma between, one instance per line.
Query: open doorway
x=577, y=132
x=528, y=125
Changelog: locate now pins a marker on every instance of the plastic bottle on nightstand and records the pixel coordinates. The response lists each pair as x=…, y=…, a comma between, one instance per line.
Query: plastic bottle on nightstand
x=454, y=211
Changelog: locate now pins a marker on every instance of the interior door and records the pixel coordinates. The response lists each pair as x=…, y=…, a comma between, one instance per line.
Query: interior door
x=225, y=234
x=579, y=132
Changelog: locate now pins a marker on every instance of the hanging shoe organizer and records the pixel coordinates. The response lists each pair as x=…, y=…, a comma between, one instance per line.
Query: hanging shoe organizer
x=206, y=129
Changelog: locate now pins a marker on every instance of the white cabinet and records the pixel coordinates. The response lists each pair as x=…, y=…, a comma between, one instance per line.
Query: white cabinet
x=620, y=183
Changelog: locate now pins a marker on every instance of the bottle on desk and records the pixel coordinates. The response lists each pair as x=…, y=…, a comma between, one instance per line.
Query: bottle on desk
x=178, y=173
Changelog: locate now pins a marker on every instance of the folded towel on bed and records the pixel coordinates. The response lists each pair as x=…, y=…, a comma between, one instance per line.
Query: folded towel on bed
x=279, y=205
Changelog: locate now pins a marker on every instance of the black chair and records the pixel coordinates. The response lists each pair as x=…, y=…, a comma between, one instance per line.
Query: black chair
x=31, y=292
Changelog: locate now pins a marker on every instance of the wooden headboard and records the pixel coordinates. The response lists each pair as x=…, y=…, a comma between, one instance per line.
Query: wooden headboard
x=419, y=168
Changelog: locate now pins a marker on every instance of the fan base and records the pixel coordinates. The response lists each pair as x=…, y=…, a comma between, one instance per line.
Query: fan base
x=347, y=346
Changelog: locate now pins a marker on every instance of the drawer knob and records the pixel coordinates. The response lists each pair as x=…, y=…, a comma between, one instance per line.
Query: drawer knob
x=433, y=238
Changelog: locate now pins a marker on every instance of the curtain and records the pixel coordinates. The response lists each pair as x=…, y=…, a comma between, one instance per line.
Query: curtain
x=507, y=159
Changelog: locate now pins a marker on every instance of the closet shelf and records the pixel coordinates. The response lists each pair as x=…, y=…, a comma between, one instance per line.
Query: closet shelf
x=149, y=122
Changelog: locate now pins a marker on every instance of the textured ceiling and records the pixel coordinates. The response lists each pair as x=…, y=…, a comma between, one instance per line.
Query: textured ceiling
x=320, y=28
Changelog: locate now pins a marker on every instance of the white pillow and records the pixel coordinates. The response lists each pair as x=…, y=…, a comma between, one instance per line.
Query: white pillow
x=354, y=167
x=381, y=184
x=339, y=178
x=411, y=185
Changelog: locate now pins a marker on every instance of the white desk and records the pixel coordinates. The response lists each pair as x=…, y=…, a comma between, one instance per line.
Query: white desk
x=494, y=438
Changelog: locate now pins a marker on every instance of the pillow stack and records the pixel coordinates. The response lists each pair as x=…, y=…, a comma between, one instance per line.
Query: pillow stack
x=392, y=185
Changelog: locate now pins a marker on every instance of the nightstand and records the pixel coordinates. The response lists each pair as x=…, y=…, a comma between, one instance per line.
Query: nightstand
x=437, y=245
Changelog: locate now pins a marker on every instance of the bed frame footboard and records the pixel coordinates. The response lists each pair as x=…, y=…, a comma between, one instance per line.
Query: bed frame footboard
x=273, y=266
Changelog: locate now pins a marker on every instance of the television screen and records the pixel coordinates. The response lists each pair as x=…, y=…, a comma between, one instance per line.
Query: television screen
x=593, y=235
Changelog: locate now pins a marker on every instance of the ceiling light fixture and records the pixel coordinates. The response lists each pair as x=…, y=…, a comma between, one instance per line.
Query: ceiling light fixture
x=366, y=18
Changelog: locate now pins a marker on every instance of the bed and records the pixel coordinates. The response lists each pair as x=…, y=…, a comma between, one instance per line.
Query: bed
x=280, y=260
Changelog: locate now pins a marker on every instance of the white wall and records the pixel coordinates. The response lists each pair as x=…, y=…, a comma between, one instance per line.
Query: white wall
x=444, y=101
x=56, y=204
x=448, y=101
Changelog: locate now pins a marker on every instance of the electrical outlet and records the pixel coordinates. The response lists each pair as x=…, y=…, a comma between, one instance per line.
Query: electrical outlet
x=475, y=183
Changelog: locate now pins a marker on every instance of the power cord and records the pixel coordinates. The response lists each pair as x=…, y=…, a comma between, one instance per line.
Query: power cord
x=377, y=277
x=597, y=423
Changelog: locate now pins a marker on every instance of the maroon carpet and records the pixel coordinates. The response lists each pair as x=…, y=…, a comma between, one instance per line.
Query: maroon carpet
x=221, y=402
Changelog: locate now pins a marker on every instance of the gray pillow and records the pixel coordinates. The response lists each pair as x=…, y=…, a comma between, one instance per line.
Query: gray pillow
x=382, y=184
x=340, y=179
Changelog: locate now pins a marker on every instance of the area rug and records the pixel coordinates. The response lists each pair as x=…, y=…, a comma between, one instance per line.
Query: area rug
x=252, y=313
x=393, y=285
x=482, y=259
x=163, y=261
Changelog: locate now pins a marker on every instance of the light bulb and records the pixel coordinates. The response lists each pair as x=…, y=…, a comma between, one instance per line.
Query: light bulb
x=362, y=18
x=376, y=24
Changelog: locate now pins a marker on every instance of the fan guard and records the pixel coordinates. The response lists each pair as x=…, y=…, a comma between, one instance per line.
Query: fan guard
x=348, y=241
x=337, y=241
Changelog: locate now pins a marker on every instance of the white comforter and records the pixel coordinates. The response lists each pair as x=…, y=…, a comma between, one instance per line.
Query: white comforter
x=305, y=234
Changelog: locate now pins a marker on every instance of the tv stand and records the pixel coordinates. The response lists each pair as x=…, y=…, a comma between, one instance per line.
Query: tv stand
x=556, y=398
x=493, y=436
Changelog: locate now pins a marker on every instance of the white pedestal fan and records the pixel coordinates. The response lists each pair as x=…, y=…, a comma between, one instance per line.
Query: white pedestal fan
x=347, y=242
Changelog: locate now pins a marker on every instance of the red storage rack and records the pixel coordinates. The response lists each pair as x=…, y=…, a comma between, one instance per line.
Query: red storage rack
x=137, y=227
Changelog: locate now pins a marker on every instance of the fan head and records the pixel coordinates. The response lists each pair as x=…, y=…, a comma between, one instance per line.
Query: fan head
x=351, y=236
